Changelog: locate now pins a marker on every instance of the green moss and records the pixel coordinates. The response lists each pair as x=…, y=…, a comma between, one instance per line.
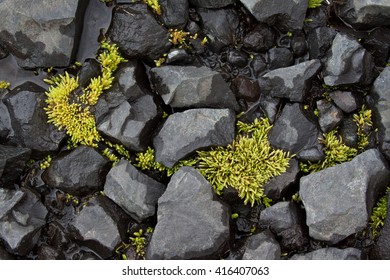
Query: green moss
x=4, y=85
x=314, y=4
x=154, y=5
x=378, y=216
x=335, y=152
x=138, y=243
x=363, y=120
x=45, y=162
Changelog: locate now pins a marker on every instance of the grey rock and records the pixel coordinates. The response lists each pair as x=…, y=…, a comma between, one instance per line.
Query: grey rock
x=320, y=40
x=363, y=14
x=291, y=82
x=22, y=220
x=26, y=104
x=348, y=132
x=345, y=100
x=313, y=154
x=280, y=185
x=184, y=133
x=237, y=58
x=132, y=123
x=192, y=87
x=174, y=13
x=46, y=252
x=348, y=63
x=41, y=34
x=286, y=220
x=280, y=58
x=262, y=246
x=90, y=69
x=220, y=26
x=339, y=200
x=258, y=64
x=177, y=56
x=100, y=226
x=298, y=44
x=192, y=222
x=80, y=172
x=330, y=253
x=5, y=119
x=213, y=4
x=377, y=43
x=381, y=107
x=381, y=249
x=137, y=33
x=270, y=106
x=292, y=131
x=286, y=14
x=329, y=116
x=260, y=39
x=12, y=163
x=133, y=191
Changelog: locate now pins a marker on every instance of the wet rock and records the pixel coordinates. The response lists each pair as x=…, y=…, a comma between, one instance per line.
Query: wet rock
x=262, y=246
x=292, y=131
x=345, y=100
x=339, y=200
x=260, y=39
x=192, y=222
x=258, y=64
x=132, y=124
x=280, y=58
x=381, y=249
x=313, y=154
x=184, y=133
x=285, y=14
x=42, y=34
x=213, y=4
x=291, y=82
x=100, y=225
x=12, y=162
x=286, y=220
x=348, y=132
x=330, y=253
x=133, y=191
x=177, y=56
x=21, y=220
x=364, y=14
x=174, y=13
x=381, y=108
x=80, y=172
x=348, y=63
x=329, y=116
x=246, y=88
x=192, y=87
x=298, y=44
x=237, y=58
x=281, y=185
x=26, y=104
x=220, y=27
x=137, y=33
x=320, y=40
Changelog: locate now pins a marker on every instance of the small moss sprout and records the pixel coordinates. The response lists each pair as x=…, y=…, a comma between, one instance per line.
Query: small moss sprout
x=314, y=4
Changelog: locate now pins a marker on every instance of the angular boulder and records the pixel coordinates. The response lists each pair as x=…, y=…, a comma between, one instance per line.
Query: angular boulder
x=262, y=246
x=339, y=200
x=192, y=222
x=12, y=162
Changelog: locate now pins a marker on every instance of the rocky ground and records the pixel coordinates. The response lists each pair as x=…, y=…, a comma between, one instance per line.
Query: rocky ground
x=319, y=74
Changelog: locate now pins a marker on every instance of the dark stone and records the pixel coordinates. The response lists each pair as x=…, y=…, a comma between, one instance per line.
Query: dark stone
x=178, y=56
x=4, y=255
x=320, y=40
x=346, y=100
x=381, y=249
x=100, y=225
x=174, y=13
x=298, y=44
x=132, y=124
x=246, y=88
x=260, y=39
x=329, y=116
x=348, y=132
x=258, y=65
x=5, y=119
x=287, y=221
x=26, y=104
x=280, y=58
x=42, y=34
x=184, y=133
x=237, y=58
x=330, y=253
x=133, y=191
x=137, y=33
x=270, y=106
x=314, y=154
x=80, y=172
x=192, y=87
x=339, y=200
x=46, y=252
x=12, y=162
x=262, y=246
x=292, y=82
x=292, y=131
x=21, y=220
x=348, y=63
x=89, y=70
x=213, y=4
x=281, y=185
x=192, y=221
x=285, y=14
x=220, y=27
x=377, y=43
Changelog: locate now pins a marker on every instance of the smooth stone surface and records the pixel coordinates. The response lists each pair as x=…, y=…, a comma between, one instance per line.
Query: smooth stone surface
x=262, y=246
x=330, y=253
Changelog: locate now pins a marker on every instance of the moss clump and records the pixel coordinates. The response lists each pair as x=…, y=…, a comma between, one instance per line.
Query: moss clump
x=70, y=111
x=364, y=123
x=378, y=216
x=314, y=4
x=45, y=162
x=4, y=85
x=154, y=5
x=335, y=152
